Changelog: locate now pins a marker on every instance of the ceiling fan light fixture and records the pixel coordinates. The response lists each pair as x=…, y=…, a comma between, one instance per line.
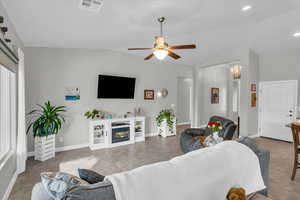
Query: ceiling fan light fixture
x=160, y=54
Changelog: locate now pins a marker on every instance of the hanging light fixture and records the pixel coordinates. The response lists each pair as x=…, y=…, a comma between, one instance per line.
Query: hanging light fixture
x=236, y=71
x=160, y=54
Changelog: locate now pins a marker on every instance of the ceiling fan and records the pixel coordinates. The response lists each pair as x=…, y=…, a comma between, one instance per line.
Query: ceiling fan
x=161, y=48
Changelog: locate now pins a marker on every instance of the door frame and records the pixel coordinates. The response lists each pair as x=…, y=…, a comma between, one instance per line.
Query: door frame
x=261, y=83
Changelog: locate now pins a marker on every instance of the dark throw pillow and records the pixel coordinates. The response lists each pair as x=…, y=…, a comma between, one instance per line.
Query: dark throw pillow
x=90, y=176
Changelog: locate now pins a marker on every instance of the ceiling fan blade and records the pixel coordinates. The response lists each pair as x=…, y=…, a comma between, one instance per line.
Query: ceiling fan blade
x=148, y=57
x=190, y=46
x=173, y=55
x=139, y=48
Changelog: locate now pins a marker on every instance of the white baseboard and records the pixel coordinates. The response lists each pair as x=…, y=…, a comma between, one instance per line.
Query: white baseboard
x=151, y=134
x=254, y=136
x=183, y=123
x=10, y=186
x=65, y=148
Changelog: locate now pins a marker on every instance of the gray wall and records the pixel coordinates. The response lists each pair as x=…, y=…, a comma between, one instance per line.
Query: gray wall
x=253, y=78
x=280, y=67
x=243, y=56
x=50, y=70
x=8, y=170
x=214, y=77
x=184, y=100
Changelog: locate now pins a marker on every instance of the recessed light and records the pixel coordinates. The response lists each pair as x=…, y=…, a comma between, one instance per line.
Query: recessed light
x=297, y=34
x=246, y=8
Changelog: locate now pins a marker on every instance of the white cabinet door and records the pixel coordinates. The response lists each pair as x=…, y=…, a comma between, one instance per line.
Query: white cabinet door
x=278, y=107
x=98, y=134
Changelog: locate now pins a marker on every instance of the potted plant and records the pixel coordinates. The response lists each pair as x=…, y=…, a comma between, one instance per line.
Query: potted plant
x=166, y=123
x=93, y=114
x=45, y=122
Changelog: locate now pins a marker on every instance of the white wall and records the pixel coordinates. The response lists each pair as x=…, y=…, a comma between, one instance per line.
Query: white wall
x=184, y=100
x=50, y=70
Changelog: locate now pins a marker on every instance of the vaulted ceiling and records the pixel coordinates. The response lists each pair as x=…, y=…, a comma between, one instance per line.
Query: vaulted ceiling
x=214, y=25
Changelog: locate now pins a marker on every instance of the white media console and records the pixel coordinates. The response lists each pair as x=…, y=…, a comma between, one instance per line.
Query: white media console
x=107, y=133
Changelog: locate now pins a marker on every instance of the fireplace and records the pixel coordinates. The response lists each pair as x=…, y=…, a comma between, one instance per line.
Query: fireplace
x=120, y=134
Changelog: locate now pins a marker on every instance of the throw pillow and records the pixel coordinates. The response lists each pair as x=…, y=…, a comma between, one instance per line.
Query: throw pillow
x=90, y=176
x=58, y=183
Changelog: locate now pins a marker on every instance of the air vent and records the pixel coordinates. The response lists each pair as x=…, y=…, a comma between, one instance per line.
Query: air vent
x=91, y=5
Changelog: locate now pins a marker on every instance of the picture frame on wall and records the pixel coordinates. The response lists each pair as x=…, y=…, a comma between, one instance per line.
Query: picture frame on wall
x=253, y=87
x=215, y=95
x=72, y=93
x=149, y=94
x=253, y=100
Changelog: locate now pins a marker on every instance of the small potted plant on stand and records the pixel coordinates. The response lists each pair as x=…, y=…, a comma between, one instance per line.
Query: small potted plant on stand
x=166, y=123
x=45, y=122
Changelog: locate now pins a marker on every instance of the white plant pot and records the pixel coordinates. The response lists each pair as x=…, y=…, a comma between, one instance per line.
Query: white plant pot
x=165, y=131
x=44, y=147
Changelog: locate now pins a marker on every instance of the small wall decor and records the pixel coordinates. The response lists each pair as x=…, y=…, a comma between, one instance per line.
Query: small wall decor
x=215, y=96
x=253, y=100
x=149, y=94
x=163, y=93
x=72, y=94
x=253, y=87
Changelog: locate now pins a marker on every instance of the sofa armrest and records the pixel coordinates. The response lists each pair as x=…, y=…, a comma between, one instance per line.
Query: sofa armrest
x=100, y=191
x=39, y=192
x=264, y=160
x=196, y=131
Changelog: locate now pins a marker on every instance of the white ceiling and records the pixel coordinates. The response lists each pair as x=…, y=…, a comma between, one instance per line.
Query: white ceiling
x=214, y=26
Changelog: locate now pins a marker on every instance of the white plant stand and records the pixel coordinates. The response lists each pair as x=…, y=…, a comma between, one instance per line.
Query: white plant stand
x=44, y=148
x=165, y=131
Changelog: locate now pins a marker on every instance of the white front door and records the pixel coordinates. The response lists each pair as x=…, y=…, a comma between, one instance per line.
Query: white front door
x=277, y=108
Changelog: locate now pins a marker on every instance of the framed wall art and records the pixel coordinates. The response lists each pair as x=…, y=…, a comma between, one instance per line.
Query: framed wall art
x=253, y=87
x=215, y=95
x=149, y=94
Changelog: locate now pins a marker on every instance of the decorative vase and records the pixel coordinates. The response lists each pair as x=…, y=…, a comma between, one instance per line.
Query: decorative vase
x=215, y=135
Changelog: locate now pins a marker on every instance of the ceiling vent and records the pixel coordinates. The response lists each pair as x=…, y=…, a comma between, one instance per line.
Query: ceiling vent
x=91, y=5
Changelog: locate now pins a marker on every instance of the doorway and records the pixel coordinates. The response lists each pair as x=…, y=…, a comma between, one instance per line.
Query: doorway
x=184, y=100
x=277, y=108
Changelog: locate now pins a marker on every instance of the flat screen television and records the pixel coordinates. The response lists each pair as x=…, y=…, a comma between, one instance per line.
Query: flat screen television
x=115, y=87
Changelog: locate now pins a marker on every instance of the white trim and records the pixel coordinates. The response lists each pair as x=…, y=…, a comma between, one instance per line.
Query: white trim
x=183, y=123
x=10, y=186
x=65, y=148
x=5, y=158
x=254, y=136
x=151, y=134
x=261, y=83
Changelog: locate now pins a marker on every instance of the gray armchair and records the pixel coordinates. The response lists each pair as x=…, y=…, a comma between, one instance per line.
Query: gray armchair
x=189, y=143
x=227, y=132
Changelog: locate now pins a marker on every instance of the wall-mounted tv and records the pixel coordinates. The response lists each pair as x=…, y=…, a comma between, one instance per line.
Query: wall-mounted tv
x=115, y=87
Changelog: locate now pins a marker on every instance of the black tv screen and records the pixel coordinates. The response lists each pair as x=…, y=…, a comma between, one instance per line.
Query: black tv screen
x=115, y=87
